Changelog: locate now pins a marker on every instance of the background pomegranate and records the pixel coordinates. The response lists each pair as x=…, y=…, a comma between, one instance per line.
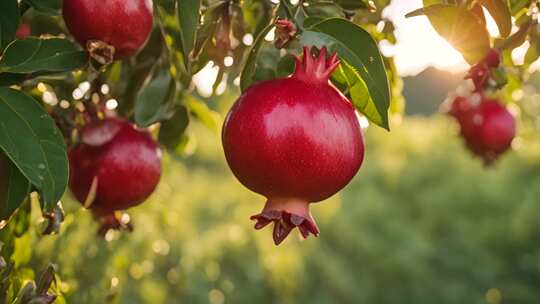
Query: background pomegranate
x=114, y=167
x=295, y=140
x=124, y=24
x=488, y=128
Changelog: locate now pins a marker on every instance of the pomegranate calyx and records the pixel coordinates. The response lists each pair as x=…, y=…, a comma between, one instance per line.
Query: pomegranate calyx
x=286, y=214
x=100, y=51
x=113, y=221
x=313, y=68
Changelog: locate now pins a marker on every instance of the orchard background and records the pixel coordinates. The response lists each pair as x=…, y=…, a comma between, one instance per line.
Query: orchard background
x=424, y=220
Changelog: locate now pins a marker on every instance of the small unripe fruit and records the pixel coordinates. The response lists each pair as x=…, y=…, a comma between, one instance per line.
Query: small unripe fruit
x=116, y=166
x=23, y=31
x=123, y=24
x=493, y=58
x=295, y=140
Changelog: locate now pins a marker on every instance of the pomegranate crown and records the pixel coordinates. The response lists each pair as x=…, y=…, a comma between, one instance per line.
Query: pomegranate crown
x=314, y=68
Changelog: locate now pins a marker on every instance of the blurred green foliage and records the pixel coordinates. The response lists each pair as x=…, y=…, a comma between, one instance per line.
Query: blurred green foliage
x=422, y=222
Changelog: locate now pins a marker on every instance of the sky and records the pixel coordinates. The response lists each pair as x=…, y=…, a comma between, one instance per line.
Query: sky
x=418, y=46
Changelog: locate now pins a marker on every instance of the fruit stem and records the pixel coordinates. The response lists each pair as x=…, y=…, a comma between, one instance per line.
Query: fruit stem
x=286, y=214
x=315, y=68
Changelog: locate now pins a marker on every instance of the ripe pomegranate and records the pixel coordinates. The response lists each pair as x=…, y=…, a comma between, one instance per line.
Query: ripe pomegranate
x=23, y=31
x=123, y=24
x=296, y=141
x=114, y=167
x=488, y=129
x=459, y=106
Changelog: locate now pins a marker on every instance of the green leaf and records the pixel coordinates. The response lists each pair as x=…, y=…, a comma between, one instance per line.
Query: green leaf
x=352, y=4
x=189, y=16
x=515, y=40
x=324, y=9
x=172, y=131
x=209, y=118
x=9, y=21
x=34, y=55
x=459, y=26
x=8, y=79
x=357, y=90
x=30, y=138
x=170, y=27
x=500, y=11
x=139, y=70
x=250, y=68
x=50, y=7
x=14, y=188
x=156, y=101
x=354, y=45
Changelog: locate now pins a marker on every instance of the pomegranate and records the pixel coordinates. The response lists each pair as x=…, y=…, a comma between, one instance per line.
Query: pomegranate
x=296, y=141
x=493, y=58
x=488, y=129
x=480, y=72
x=23, y=31
x=459, y=106
x=123, y=24
x=114, y=167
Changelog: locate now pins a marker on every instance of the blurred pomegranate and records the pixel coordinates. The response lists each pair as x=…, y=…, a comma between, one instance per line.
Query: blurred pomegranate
x=488, y=128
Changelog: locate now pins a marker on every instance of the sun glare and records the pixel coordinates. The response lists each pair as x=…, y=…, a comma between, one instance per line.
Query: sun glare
x=419, y=45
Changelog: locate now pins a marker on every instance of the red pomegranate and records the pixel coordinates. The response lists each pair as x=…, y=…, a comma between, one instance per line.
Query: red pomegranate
x=23, y=31
x=459, y=106
x=480, y=72
x=116, y=166
x=296, y=141
x=123, y=24
x=488, y=129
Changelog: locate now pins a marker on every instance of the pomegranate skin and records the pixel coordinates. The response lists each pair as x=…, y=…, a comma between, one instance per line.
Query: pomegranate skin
x=493, y=58
x=125, y=165
x=488, y=129
x=23, y=31
x=459, y=106
x=294, y=140
x=124, y=24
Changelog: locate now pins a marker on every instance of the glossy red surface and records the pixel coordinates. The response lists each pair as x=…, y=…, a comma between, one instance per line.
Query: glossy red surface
x=294, y=140
x=290, y=138
x=124, y=24
x=127, y=167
